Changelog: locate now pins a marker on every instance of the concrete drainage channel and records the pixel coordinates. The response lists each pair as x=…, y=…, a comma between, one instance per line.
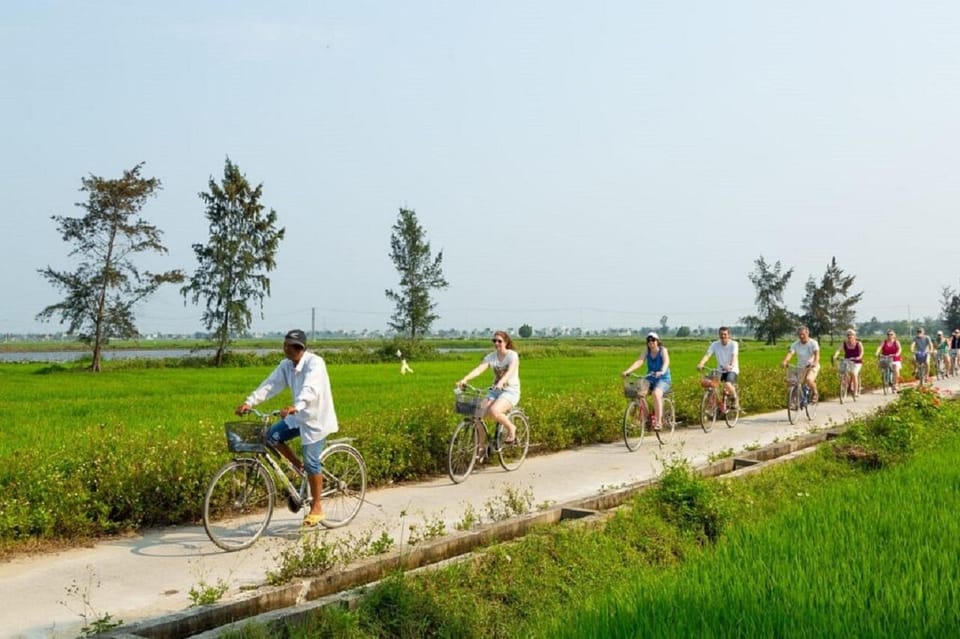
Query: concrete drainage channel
x=288, y=602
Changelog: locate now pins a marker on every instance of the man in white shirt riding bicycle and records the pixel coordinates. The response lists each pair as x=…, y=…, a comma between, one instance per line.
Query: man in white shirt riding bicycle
x=727, y=353
x=807, y=351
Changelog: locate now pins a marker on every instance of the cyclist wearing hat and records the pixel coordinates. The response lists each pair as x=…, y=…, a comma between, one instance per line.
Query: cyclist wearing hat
x=657, y=359
x=310, y=415
x=954, y=349
x=943, y=344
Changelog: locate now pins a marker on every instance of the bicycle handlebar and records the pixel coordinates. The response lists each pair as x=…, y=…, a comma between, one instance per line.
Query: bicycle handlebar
x=273, y=413
x=466, y=387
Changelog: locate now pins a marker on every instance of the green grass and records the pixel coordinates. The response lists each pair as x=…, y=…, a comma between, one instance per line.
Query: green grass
x=821, y=547
x=86, y=454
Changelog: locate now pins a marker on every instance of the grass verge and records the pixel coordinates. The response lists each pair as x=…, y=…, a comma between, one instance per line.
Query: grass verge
x=825, y=546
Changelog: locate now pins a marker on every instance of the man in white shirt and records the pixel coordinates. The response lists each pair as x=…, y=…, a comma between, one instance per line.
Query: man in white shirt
x=727, y=353
x=310, y=416
x=808, y=354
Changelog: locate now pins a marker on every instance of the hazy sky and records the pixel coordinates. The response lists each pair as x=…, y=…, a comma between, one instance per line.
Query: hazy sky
x=593, y=164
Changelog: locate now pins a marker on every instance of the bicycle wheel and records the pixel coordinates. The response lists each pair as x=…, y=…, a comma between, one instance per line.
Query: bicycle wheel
x=844, y=382
x=512, y=455
x=921, y=374
x=668, y=421
x=462, y=454
x=708, y=410
x=732, y=415
x=344, y=484
x=634, y=423
x=810, y=406
x=887, y=380
x=238, y=504
x=793, y=403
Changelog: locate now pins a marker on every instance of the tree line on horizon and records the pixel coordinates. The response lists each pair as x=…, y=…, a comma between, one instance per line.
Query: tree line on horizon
x=233, y=265
x=233, y=268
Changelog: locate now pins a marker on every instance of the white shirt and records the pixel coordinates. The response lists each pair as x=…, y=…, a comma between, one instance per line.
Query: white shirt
x=310, y=385
x=805, y=352
x=725, y=355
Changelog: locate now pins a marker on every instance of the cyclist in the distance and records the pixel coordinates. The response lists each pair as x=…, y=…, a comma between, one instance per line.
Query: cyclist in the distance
x=727, y=353
x=921, y=347
x=954, y=351
x=890, y=347
x=852, y=349
x=657, y=359
x=504, y=361
x=310, y=415
x=807, y=351
x=943, y=346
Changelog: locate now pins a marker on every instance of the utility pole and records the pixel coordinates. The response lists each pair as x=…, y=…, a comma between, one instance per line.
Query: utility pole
x=313, y=323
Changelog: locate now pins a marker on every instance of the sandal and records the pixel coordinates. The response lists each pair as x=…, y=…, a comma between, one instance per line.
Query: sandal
x=312, y=521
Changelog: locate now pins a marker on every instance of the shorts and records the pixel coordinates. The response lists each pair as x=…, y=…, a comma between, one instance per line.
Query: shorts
x=920, y=357
x=659, y=383
x=284, y=432
x=853, y=368
x=512, y=395
x=812, y=373
x=729, y=376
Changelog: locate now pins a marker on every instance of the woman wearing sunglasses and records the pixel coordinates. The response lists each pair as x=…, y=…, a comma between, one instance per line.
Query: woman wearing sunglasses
x=505, y=392
x=658, y=372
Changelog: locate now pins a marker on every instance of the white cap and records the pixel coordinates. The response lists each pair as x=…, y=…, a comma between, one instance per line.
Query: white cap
x=653, y=335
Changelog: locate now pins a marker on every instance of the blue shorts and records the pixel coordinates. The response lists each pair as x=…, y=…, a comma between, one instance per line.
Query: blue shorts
x=659, y=383
x=508, y=394
x=284, y=432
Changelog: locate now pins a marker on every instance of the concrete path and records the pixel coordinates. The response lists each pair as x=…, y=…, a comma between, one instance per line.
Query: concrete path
x=151, y=574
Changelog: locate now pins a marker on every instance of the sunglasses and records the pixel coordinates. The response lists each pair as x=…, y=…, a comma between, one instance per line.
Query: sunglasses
x=497, y=341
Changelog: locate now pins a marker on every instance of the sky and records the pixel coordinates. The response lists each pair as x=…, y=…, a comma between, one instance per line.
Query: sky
x=577, y=163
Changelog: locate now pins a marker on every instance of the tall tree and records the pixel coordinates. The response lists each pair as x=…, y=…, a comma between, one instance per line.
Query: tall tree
x=419, y=272
x=102, y=291
x=840, y=301
x=949, y=308
x=829, y=307
x=772, y=319
x=233, y=265
x=816, y=314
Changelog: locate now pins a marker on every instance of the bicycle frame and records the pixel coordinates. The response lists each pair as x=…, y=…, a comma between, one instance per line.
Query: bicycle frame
x=472, y=441
x=799, y=393
x=847, y=377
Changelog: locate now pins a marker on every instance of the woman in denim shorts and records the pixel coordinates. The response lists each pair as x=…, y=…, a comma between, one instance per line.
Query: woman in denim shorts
x=657, y=359
x=505, y=392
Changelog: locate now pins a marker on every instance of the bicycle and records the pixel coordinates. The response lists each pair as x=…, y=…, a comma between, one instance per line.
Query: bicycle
x=239, y=500
x=716, y=402
x=471, y=441
x=847, y=379
x=799, y=397
x=638, y=417
x=887, y=377
x=941, y=364
x=922, y=367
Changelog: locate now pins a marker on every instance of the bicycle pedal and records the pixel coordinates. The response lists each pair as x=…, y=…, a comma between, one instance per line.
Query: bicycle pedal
x=294, y=504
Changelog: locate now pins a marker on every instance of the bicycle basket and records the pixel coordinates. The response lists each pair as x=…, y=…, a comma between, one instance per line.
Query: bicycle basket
x=712, y=380
x=793, y=375
x=886, y=362
x=245, y=437
x=845, y=366
x=636, y=387
x=467, y=402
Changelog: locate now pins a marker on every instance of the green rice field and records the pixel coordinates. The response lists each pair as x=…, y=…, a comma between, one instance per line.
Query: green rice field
x=86, y=454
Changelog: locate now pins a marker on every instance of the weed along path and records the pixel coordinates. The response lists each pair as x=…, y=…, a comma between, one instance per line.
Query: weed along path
x=143, y=576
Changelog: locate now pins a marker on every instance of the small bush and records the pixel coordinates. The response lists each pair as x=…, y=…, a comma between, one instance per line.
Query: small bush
x=691, y=502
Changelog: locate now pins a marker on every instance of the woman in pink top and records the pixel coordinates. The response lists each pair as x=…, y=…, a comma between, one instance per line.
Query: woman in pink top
x=891, y=348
